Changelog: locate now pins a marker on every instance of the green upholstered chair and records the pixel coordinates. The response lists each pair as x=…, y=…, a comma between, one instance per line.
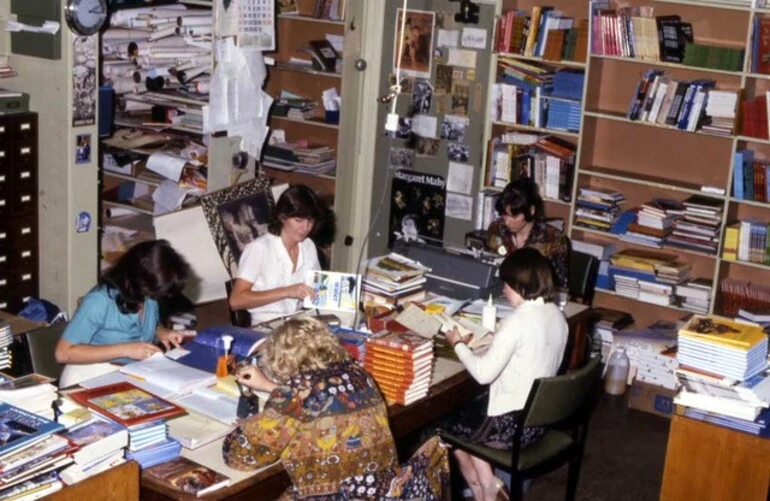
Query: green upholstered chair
x=563, y=405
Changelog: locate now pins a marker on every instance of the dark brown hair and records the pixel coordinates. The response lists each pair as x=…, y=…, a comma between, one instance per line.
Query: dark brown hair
x=297, y=201
x=519, y=197
x=529, y=273
x=148, y=269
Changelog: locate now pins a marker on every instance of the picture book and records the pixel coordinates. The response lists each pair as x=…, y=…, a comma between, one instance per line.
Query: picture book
x=723, y=332
x=333, y=290
x=202, y=350
x=97, y=438
x=126, y=404
x=395, y=267
x=188, y=476
x=19, y=428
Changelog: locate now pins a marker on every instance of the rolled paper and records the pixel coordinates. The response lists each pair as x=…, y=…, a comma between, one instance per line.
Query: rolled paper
x=194, y=20
x=164, y=32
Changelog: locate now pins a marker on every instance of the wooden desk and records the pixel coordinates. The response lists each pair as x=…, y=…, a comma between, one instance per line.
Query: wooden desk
x=451, y=387
x=117, y=484
x=712, y=463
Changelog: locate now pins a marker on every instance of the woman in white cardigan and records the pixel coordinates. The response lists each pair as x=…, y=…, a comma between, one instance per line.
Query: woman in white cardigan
x=529, y=345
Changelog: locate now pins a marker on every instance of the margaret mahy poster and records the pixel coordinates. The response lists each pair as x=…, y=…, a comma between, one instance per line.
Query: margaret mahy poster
x=417, y=204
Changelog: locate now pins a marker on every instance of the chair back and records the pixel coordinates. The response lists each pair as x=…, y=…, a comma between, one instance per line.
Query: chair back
x=583, y=270
x=555, y=399
x=239, y=318
x=41, y=344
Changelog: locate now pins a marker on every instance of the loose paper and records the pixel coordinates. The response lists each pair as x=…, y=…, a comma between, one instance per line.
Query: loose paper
x=424, y=125
x=167, y=165
x=448, y=38
x=459, y=206
x=474, y=38
x=462, y=58
x=337, y=41
x=460, y=178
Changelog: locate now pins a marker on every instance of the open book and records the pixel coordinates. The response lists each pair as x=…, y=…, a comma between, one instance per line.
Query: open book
x=169, y=375
x=480, y=336
x=202, y=350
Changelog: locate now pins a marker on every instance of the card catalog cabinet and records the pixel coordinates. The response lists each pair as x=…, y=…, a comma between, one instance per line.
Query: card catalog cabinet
x=18, y=210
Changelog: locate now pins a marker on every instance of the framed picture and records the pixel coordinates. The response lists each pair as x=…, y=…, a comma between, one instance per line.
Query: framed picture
x=236, y=216
x=126, y=404
x=416, y=44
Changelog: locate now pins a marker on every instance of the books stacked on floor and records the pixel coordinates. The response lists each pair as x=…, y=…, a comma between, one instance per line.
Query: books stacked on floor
x=30, y=453
x=722, y=347
x=597, y=208
x=694, y=295
x=6, y=339
x=650, y=353
x=393, y=279
x=401, y=364
x=188, y=477
x=698, y=228
x=633, y=272
x=101, y=444
x=33, y=393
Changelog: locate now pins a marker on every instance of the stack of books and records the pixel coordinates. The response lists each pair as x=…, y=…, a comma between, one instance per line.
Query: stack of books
x=650, y=354
x=101, y=444
x=719, y=398
x=742, y=294
x=393, y=279
x=33, y=393
x=654, y=221
x=597, y=208
x=564, y=102
x=698, y=228
x=402, y=365
x=722, y=347
x=721, y=112
x=609, y=321
x=633, y=272
x=300, y=156
x=759, y=316
x=30, y=453
x=6, y=339
x=694, y=295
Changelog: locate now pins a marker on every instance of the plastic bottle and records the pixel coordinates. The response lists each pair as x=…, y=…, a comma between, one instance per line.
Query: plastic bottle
x=616, y=378
x=489, y=315
x=224, y=362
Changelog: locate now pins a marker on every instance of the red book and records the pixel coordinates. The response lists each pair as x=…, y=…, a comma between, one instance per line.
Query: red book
x=404, y=341
x=763, y=46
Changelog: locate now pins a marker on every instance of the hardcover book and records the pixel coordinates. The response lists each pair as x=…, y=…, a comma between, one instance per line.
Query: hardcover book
x=96, y=439
x=403, y=341
x=723, y=332
x=188, y=476
x=126, y=404
x=19, y=428
x=333, y=290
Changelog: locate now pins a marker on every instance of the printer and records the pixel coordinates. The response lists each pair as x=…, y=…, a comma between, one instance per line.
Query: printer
x=454, y=272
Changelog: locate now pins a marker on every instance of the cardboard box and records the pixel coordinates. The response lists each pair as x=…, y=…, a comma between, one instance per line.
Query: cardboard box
x=650, y=398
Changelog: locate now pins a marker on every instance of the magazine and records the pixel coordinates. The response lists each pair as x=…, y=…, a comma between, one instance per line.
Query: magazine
x=333, y=290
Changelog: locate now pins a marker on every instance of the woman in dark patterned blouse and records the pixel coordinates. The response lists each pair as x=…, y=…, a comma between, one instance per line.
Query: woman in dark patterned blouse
x=522, y=224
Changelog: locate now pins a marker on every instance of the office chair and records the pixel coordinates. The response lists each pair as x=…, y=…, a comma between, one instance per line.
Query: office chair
x=563, y=405
x=583, y=270
x=239, y=318
x=41, y=345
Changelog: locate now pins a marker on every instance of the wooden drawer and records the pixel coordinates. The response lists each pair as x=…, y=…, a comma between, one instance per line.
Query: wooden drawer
x=23, y=202
x=20, y=232
x=18, y=127
x=23, y=178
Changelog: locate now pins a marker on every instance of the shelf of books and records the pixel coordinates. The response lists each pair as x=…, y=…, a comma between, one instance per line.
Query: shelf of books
x=306, y=81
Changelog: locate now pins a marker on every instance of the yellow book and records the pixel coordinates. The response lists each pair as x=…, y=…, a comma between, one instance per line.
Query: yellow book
x=533, y=28
x=722, y=331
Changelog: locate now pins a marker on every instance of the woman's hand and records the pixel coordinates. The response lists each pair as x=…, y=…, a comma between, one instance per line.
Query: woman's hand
x=252, y=377
x=169, y=338
x=454, y=337
x=140, y=351
x=299, y=291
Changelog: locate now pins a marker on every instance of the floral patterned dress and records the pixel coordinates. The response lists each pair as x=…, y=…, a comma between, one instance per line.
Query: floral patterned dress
x=323, y=425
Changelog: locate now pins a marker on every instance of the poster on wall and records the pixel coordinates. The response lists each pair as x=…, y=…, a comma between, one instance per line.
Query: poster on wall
x=417, y=207
x=84, y=84
x=417, y=44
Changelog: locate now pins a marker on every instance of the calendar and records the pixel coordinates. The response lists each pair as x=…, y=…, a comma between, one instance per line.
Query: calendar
x=256, y=24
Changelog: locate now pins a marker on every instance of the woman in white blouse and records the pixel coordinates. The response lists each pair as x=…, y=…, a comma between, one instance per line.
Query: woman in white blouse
x=271, y=272
x=528, y=345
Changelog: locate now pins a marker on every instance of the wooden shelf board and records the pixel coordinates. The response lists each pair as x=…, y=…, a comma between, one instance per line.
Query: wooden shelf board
x=620, y=117
x=749, y=139
x=134, y=179
x=698, y=3
x=541, y=130
x=313, y=122
x=643, y=180
x=664, y=64
x=556, y=201
x=746, y=263
x=309, y=19
x=755, y=203
x=613, y=293
x=280, y=65
x=110, y=203
x=570, y=64
x=323, y=183
x=758, y=76
x=664, y=248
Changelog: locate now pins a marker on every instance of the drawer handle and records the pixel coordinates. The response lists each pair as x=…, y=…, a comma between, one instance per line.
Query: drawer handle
x=26, y=276
x=3, y=282
x=26, y=198
x=3, y=259
x=2, y=202
x=26, y=253
x=26, y=150
x=2, y=179
x=25, y=175
x=25, y=126
x=4, y=306
x=26, y=231
x=2, y=153
x=2, y=129
x=3, y=235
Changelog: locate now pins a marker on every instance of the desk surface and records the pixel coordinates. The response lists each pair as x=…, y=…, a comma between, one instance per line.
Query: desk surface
x=20, y=325
x=450, y=387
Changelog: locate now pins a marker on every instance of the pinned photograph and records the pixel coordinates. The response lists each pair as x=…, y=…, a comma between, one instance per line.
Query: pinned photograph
x=414, y=46
x=83, y=149
x=406, y=83
x=458, y=152
x=460, y=94
x=401, y=158
x=404, y=129
x=287, y=7
x=443, y=80
x=427, y=147
x=422, y=95
x=453, y=128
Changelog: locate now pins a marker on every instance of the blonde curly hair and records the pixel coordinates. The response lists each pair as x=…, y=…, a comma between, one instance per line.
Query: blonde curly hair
x=297, y=346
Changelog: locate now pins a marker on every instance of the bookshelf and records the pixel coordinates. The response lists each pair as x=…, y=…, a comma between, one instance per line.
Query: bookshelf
x=644, y=159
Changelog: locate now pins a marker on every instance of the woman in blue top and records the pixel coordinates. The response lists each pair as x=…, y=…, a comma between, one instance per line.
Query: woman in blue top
x=117, y=321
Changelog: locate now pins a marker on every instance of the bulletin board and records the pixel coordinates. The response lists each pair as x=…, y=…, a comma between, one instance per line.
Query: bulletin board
x=431, y=170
